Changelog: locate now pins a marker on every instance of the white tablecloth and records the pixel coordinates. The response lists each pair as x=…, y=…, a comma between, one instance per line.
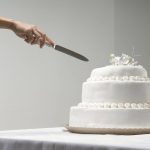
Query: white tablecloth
x=60, y=139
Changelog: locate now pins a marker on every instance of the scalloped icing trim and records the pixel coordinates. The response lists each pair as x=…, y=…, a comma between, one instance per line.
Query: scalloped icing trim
x=119, y=78
x=114, y=105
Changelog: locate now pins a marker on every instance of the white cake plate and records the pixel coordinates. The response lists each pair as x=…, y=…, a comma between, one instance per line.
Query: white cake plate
x=121, y=131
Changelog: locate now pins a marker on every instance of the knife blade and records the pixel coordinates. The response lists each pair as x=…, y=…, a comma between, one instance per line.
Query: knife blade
x=68, y=52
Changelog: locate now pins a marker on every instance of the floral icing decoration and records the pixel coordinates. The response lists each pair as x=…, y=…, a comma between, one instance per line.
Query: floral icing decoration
x=122, y=60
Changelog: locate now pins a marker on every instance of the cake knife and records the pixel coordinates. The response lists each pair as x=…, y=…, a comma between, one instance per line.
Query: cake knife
x=68, y=51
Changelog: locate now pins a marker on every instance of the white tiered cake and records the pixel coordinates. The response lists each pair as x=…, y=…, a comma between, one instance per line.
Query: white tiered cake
x=115, y=99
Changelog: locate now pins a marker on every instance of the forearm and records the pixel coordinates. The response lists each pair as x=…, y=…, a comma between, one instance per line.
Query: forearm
x=30, y=33
x=6, y=23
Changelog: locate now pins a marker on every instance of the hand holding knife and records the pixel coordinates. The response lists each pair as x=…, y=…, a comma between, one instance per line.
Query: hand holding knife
x=31, y=34
x=62, y=49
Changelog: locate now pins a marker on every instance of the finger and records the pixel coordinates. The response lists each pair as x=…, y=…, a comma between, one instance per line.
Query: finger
x=27, y=39
x=36, y=41
x=33, y=40
x=43, y=41
x=42, y=37
x=37, y=34
x=39, y=31
x=49, y=41
x=30, y=37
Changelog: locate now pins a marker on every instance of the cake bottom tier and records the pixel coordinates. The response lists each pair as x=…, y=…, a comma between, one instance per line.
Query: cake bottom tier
x=117, y=118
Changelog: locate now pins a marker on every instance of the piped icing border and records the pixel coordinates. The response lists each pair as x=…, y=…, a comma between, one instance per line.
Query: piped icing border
x=118, y=78
x=113, y=105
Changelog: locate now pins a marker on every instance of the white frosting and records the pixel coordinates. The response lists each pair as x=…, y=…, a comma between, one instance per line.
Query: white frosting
x=115, y=96
x=122, y=70
x=116, y=91
x=109, y=118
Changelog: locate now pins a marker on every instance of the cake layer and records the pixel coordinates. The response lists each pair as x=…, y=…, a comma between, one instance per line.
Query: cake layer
x=119, y=70
x=116, y=91
x=109, y=118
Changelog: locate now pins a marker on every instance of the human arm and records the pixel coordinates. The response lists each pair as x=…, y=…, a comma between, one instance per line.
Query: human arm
x=30, y=33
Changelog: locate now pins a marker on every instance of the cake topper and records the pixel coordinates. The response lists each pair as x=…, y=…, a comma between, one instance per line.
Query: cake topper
x=122, y=60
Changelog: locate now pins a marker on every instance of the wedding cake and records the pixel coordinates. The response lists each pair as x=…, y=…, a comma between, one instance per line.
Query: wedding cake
x=115, y=99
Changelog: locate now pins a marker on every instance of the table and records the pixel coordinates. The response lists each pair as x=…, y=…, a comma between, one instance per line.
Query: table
x=61, y=139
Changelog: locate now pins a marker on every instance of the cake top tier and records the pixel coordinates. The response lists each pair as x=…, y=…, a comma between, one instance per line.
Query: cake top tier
x=120, y=66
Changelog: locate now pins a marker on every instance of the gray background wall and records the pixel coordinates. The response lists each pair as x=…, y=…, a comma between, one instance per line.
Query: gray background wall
x=38, y=86
x=132, y=28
